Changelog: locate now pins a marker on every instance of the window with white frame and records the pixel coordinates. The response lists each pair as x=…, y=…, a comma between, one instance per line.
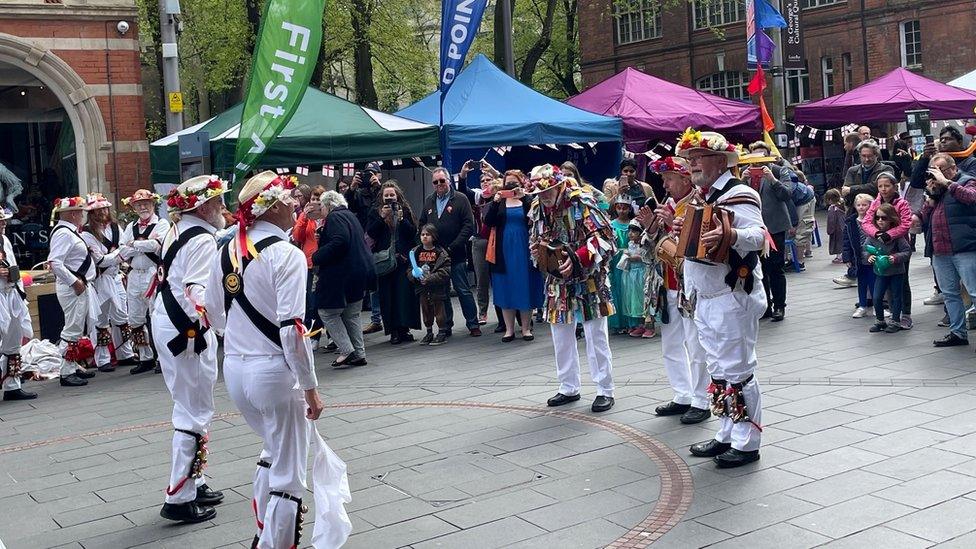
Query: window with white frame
x=728, y=84
x=911, y=44
x=714, y=13
x=827, y=75
x=848, y=71
x=637, y=20
x=797, y=86
x=806, y=4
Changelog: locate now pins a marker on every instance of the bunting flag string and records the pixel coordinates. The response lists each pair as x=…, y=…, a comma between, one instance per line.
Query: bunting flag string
x=418, y=160
x=282, y=171
x=397, y=161
x=301, y=170
x=348, y=169
x=328, y=170
x=536, y=147
x=592, y=144
x=552, y=146
x=576, y=146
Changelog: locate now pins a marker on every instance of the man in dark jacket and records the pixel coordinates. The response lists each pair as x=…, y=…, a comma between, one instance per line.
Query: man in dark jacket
x=861, y=179
x=774, y=196
x=948, y=220
x=450, y=212
x=345, y=274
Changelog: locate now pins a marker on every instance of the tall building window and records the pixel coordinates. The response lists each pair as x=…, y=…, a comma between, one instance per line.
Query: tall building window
x=797, y=86
x=637, y=20
x=911, y=44
x=728, y=84
x=827, y=75
x=805, y=4
x=714, y=13
x=848, y=71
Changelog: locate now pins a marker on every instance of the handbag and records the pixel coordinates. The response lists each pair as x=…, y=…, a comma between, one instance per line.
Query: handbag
x=490, y=250
x=385, y=261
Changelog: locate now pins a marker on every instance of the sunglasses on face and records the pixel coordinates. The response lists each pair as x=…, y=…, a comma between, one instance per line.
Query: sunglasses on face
x=440, y=181
x=880, y=218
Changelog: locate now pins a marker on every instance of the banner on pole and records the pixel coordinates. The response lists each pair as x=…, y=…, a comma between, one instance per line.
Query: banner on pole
x=793, y=56
x=460, y=20
x=285, y=54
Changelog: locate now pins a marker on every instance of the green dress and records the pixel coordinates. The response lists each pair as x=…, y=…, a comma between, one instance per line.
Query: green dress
x=618, y=289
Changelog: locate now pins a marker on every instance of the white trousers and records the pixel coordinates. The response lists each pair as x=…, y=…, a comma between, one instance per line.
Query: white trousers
x=78, y=315
x=16, y=325
x=138, y=306
x=728, y=326
x=597, y=355
x=684, y=357
x=267, y=394
x=110, y=313
x=190, y=379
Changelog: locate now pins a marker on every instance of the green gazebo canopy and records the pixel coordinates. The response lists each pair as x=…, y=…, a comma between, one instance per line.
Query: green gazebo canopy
x=324, y=130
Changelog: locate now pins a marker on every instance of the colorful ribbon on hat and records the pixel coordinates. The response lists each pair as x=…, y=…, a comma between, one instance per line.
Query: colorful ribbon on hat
x=249, y=210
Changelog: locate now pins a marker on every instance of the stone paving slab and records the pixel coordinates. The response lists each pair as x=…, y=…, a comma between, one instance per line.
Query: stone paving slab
x=868, y=441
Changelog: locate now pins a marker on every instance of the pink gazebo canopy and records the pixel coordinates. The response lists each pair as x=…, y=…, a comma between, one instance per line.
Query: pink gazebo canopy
x=653, y=108
x=885, y=99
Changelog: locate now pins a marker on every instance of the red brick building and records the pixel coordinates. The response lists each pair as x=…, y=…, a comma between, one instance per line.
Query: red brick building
x=72, y=107
x=701, y=43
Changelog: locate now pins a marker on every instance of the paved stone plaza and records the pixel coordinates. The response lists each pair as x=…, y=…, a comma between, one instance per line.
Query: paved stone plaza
x=869, y=440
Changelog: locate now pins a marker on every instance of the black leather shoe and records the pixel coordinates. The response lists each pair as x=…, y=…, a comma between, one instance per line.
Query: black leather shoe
x=671, y=409
x=735, y=458
x=709, y=448
x=356, y=362
x=158, y=369
x=18, y=394
x=508, y=339
x=561, y=399
x=602, y=404
x=395, y=339
x=144, y=366
x=106, y=368
x=208, y=497
x=187, y=512
x=131, y=361
x=84, y=374
x=695, y=415
x=767, y=314
x=73, y=381
x=951, y=340
x=778, y=314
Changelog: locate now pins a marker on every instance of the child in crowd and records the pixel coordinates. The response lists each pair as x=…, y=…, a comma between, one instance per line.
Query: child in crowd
x=835, y=225
x=432, y=285
x=853, y=254
x=623, y=321
x=633, y=269
x=889, y=260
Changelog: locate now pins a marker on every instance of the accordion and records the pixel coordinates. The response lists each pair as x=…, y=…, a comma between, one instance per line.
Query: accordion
x=698, y=221
x=553, y=254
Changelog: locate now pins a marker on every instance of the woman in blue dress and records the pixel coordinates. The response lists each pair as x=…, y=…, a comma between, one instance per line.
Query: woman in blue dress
x=516, y=284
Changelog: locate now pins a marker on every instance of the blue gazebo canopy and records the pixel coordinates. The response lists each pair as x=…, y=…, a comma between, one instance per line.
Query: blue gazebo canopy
x=487, y=108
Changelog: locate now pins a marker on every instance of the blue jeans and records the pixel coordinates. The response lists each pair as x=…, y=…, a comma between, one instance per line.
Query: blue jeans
x=311, y=312
x=865, y=284
x=459, y=279
x=950, y=270
x=881, y=285
x=374, y=307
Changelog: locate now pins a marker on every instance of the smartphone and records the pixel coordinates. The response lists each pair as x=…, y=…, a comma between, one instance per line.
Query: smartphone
x=509, y=193
x=929, y=139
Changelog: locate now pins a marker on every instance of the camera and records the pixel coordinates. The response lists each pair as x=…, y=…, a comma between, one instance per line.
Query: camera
x=392, y=203
x=365, y=176
x=122, y=27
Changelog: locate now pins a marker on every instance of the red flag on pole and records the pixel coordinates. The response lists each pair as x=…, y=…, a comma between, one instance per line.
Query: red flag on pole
x=768, y=124
x=758, y=82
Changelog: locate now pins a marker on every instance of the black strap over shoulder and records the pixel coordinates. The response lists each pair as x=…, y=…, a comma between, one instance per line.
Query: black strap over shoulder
x=113, y=242
x=234, y=290
x=190, y=330
x=86, y=264
x=136, y=235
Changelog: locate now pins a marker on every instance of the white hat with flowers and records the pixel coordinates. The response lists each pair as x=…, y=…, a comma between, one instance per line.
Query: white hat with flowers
x=259, y=195
x=96, y=201
x=193, y=192
x=713, y=142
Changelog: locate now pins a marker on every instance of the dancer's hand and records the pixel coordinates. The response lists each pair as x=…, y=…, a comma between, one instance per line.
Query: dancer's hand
x=314, y=403
x=79, y=287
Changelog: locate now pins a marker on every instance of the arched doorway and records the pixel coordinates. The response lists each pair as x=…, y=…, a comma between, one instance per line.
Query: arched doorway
x=81, y=109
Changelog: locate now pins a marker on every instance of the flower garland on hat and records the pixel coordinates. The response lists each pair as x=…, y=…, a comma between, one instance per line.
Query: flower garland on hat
x=249, y=210
x=546, y=177
x=193, y=195
x=65, y=204
x=694, y=139
x=141, y=194
x=670, y=164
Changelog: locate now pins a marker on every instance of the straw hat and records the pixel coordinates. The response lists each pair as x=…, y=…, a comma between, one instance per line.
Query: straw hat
x=756, y=158
x=141, y=194
x=258, y=195
x=714, y=142
x=194, y=192
x=68, y=203
x=547, y=177
x=96, y=201
x=671, y=164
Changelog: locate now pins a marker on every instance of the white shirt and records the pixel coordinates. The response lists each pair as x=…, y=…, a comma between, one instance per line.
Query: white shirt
x=187, y=276
x=751, y=236
x=274, y=284
x=107, y=261
x=68, y=251
x=134, y=251
x=11, y=258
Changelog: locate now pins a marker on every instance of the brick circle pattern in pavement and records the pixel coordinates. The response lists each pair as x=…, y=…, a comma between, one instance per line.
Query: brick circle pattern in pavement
x=677, y=488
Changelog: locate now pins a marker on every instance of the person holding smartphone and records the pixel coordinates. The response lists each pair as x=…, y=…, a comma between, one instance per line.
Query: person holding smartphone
x=629, y=185
x=305, y=236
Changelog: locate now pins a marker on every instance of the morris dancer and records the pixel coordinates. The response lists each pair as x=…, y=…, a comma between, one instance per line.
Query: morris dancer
x=577, y=288
x=102, y=234
x=256, y=297
x=73, y=268
x=684, y=358
x=187, y=348
x=15, y=321
x=141, y=243
x=728, y=300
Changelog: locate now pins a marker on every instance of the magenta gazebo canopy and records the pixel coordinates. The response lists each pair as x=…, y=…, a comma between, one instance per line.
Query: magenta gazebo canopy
x=653, y=108
x=886, y=99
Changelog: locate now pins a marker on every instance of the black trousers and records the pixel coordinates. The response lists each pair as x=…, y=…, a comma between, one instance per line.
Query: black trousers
x=774, y=280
